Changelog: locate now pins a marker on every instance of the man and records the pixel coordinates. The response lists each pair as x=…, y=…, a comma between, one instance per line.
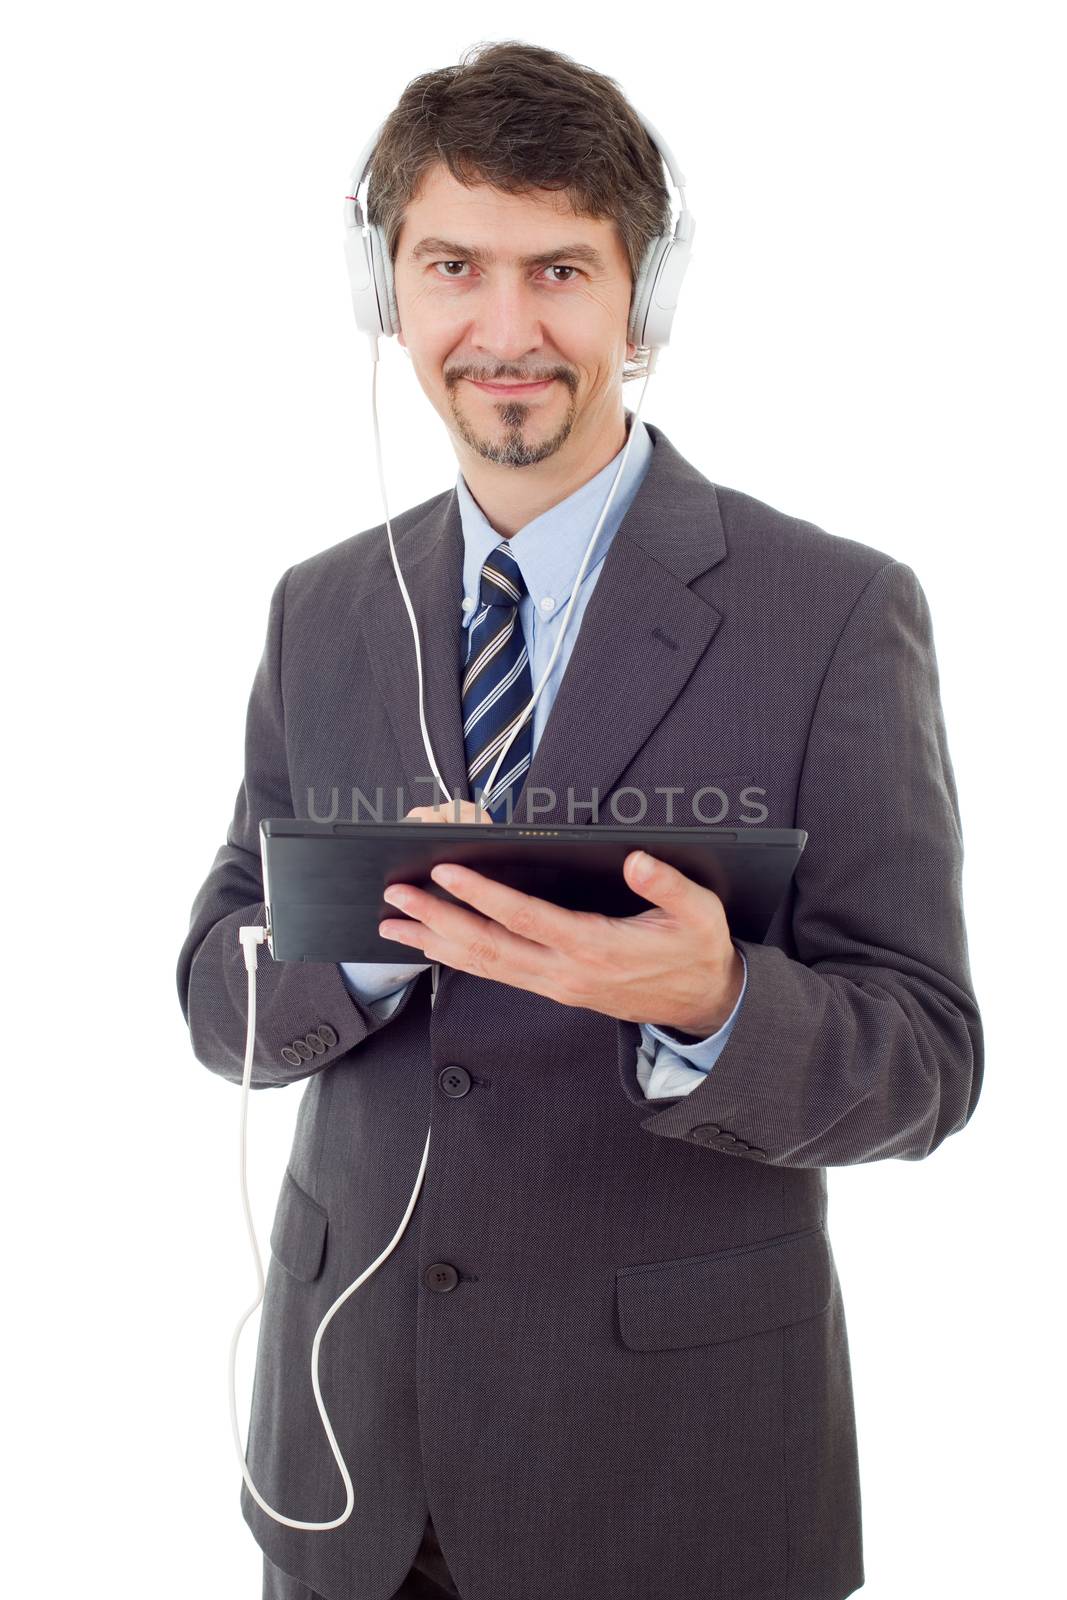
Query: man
x=608, y=1356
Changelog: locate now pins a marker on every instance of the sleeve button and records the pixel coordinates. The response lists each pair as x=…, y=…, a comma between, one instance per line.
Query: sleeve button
x=290, y=1055
x=318, y=1045
x=326, y=1034
x=704, y=1132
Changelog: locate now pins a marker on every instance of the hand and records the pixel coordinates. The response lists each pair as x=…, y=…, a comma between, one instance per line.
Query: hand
x=675, y=965
x=445, y=811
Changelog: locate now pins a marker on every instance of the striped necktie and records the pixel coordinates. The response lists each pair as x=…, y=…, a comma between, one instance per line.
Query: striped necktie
x=497, y=686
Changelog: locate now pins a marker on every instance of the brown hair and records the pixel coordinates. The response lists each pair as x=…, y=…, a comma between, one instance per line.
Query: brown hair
x=520, y=117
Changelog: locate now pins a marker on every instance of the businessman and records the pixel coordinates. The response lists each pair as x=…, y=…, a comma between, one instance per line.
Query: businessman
x=608, y=1357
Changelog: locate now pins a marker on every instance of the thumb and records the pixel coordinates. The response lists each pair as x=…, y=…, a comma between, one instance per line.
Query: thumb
x=659, y=882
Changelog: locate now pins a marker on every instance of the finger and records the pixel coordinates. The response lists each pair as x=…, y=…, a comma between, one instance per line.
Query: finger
x=523, y=914
x=476, y=943
x=448, y=811
x=403, y=930
x=428, y=814
x=665, y=886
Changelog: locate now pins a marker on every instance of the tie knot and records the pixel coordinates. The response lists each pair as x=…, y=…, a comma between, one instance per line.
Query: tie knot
x=502, y=582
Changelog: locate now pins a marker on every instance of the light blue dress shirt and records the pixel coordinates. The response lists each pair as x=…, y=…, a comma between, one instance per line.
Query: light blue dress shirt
x=549, y=552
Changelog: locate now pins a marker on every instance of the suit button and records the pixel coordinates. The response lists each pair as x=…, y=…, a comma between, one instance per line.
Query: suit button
x=441, y=1277
x=318, y=1045
x=705, y=1133
x=454, y=1080
x=760, y=1155
x=290, y=1055
x=303, y=1049
x=326, y=1034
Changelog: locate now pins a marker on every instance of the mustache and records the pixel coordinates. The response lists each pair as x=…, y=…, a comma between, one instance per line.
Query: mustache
x=508, y=377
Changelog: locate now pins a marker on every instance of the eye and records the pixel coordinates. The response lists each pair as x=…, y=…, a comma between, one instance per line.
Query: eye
x=557, y=266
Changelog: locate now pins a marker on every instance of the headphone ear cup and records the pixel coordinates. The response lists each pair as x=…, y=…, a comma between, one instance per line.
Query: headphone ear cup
x=656, y=291
x=639, y=298
x=361, y=282
x=383, y=281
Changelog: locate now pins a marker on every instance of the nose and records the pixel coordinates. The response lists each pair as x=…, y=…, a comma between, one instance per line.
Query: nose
x=506, y=328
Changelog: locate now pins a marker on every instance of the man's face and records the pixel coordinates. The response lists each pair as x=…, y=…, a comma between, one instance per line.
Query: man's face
x=471, y=311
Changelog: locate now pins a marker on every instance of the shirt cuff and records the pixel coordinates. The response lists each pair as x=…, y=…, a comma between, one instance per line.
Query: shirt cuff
x=702, y=1052
x=662, y=1074
x=378, y=980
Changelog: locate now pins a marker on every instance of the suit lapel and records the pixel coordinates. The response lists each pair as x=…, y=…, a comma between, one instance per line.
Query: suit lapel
x=430, y=554
x=642, y=634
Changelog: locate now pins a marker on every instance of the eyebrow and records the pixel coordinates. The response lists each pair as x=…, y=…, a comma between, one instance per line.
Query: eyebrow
x=481, y=258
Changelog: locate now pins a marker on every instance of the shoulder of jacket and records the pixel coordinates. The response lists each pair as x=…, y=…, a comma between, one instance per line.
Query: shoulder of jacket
x=363, y=560
x=763, y=532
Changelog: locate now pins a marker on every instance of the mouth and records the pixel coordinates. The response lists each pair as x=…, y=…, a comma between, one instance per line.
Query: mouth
x=513, y=388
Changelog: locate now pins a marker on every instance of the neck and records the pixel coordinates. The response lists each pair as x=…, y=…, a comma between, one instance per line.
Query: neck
x=510, y=497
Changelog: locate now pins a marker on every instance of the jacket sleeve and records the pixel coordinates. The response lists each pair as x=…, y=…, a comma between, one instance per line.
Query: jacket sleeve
x=302, y=1008
x=868, y=1044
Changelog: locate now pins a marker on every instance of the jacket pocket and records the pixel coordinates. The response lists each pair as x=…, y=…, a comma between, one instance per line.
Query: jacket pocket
x=671, y=1305
x=298, y=1236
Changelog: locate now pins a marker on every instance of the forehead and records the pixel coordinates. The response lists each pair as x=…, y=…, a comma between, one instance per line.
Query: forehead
x=497, y=225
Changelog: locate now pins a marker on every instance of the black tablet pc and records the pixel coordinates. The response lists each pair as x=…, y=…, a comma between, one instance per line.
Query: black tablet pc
x=323, y=881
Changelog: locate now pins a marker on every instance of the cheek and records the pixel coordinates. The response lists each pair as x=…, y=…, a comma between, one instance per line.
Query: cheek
x=590, y=343
x=430, y=328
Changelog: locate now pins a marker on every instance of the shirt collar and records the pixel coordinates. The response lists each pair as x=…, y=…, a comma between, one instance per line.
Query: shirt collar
x=549, y=549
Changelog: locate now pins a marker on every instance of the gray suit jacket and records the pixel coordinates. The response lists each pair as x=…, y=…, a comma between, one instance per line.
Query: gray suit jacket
x=609, y=1353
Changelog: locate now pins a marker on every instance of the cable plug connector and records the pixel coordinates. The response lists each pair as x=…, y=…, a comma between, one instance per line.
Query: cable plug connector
x=250, y=936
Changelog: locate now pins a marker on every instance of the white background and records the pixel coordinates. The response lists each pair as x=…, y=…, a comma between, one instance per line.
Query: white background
x=870, y=337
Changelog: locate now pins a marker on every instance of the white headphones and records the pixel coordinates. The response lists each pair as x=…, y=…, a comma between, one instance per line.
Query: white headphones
x=656, y=290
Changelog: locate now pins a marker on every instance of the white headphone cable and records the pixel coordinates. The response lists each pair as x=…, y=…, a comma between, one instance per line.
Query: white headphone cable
x=253, y=935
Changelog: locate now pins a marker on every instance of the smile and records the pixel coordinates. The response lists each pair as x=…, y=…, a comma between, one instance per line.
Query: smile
x=513, y=388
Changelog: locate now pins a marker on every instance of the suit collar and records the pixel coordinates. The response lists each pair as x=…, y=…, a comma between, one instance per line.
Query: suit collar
x=643, y=632
x=551, y=546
